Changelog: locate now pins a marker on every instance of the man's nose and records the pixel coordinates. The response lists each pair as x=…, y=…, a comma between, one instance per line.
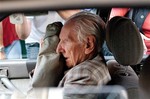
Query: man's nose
x=59, y=48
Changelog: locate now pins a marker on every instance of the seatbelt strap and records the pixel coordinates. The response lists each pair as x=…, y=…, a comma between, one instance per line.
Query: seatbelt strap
x=23, y=49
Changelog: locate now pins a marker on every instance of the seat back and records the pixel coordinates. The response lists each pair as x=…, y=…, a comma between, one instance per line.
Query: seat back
x=124, y=41
x=124, y=76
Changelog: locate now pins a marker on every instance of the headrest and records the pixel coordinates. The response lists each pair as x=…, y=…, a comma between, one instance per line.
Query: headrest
x=124, y=41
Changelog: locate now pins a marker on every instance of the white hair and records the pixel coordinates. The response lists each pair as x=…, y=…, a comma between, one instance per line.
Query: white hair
x=86, y=23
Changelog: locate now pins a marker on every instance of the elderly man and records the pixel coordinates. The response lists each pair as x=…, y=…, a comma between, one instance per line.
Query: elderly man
x=80, y=41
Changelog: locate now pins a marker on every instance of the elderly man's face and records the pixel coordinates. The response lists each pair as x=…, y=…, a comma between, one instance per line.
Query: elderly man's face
x=70, y=47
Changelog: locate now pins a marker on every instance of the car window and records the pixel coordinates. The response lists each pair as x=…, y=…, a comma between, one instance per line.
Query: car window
x=31, y=42
x=16, y=47
x=22, y=33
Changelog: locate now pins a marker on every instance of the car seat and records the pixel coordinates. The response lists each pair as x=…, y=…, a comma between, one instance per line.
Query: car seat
x=124, y=41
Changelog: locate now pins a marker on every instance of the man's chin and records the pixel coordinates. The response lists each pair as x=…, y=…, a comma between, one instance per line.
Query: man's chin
x=69, y=65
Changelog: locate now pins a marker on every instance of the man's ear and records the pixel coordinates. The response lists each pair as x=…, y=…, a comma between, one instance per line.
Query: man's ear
x=90, y=44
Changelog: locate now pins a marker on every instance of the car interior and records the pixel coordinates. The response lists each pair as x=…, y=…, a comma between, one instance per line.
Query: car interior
x=125, y=68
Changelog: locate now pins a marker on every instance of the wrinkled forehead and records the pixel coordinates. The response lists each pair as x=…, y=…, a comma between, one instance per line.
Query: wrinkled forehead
x=67, y=31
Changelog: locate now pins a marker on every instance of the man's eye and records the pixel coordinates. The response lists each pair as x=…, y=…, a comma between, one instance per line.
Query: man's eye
x=65, y=41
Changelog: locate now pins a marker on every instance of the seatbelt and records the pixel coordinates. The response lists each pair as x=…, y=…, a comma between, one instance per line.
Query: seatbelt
x=23, y=49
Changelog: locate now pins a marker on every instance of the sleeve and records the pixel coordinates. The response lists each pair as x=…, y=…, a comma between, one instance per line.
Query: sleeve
x=49, y=66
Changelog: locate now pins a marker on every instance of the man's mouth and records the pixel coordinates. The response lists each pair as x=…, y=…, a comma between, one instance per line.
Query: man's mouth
x=66, y=59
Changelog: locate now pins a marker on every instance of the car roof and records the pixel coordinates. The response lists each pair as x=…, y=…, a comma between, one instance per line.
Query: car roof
x=35, y=5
